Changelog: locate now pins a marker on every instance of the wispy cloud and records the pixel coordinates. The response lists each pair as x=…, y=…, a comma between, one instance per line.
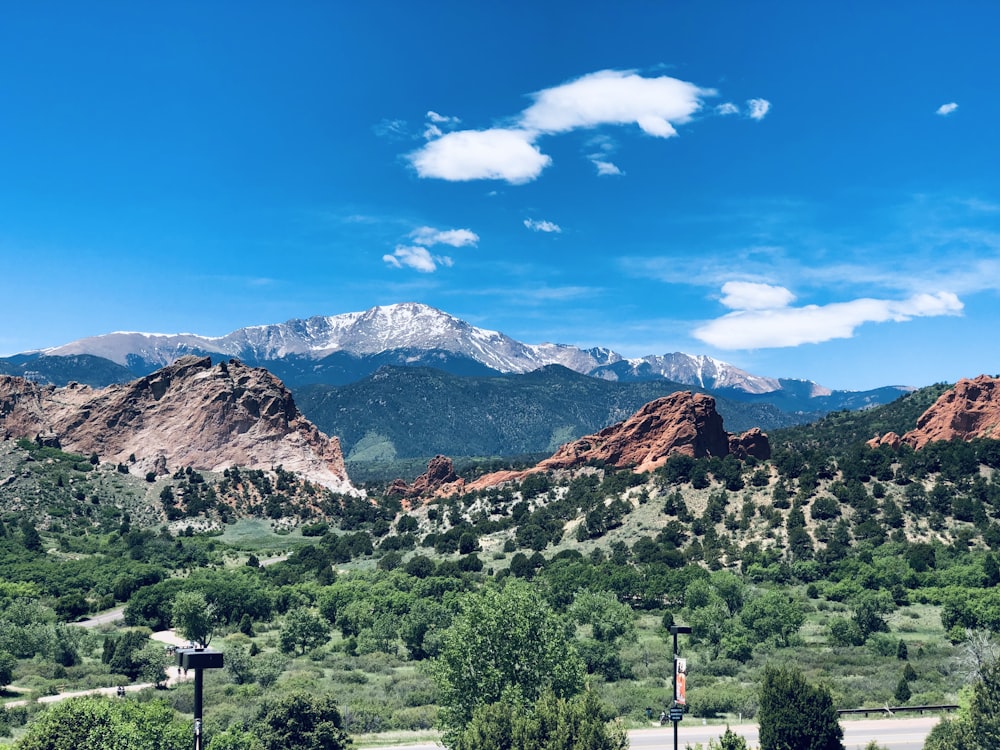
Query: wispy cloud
x=606, y=168
x=946, y=109
x=727, y=108
x=601, y=158
x=418, y=257
x=396, y=130
x=763, y=317
x=542, y=226
x=429, y=236
x=609, y=97
x=758, y=108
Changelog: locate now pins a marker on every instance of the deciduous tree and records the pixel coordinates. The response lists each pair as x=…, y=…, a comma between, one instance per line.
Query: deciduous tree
x=503, y=642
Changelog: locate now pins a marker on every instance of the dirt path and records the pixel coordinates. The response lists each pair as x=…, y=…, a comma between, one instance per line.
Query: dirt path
x=174, y=676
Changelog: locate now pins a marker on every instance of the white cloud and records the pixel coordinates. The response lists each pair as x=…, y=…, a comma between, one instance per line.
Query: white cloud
x=429, y=236
x=496, y=154
x=542, y=226
x=750, y=295
x=614, y=97
x=607, y=97
x=946, y=109
x=418, y=258
x=442, y=119
x=605, y=168
x=758, y=108
x=781, y=326
x=392, y=129
x=728, y=108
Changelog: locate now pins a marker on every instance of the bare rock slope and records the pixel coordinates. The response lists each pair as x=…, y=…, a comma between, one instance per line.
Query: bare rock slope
x=969, y=410
x=187, y=414
x=681, y=423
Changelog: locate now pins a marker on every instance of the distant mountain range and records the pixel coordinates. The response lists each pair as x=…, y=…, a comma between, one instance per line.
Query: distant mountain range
x=342, y=360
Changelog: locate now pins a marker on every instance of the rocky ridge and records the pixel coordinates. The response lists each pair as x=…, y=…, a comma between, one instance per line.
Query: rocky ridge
x=190, y=413
x=681, y=423
x=969, y=410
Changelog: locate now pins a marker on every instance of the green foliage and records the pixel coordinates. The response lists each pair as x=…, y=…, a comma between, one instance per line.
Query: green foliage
x=551, y=723
x=8, y=663
x=979, y=727
x=903, y=692
x=503, y=642
x=303, y=721
x=300, y=720
x=192, y=617
x=488, y=416
x=102, y=723
x=796, y=714
x=302, y=630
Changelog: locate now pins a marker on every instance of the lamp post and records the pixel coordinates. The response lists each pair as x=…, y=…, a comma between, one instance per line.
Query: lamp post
x=198, y=659
x=677, y=708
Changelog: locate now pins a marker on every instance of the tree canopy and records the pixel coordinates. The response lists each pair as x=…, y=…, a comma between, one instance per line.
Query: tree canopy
x=503, y=644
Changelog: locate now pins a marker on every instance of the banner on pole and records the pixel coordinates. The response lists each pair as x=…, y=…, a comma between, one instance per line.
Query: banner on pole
x=680, y=680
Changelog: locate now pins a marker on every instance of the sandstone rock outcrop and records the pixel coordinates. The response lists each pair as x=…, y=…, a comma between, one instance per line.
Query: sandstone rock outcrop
x=188, y=414
x=440, y=478
x=969, y=410
x=890, y=438
x=683, y=422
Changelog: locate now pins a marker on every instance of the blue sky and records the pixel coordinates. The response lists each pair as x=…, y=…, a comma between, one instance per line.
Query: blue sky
x=802, y=189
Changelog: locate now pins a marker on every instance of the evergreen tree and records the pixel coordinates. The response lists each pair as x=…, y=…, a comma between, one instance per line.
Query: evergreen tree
x=796, y=715
x=902, y=694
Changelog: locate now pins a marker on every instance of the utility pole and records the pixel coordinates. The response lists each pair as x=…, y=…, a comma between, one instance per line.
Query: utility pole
x=677, y=708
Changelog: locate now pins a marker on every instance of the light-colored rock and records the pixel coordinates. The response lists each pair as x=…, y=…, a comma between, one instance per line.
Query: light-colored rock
x=187, y=414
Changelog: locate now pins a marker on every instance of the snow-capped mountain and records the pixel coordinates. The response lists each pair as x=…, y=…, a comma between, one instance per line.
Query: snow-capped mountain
x=407, y=327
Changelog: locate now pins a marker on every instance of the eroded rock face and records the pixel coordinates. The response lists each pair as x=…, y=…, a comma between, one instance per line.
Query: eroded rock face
x=890, y=438
x=753, y=443
x=683, y=422
x=188, y=414
x=969, y=410
x=440, y=478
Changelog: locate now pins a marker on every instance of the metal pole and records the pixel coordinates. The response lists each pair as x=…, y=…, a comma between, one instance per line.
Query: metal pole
x=197, y=708
x=673, y=698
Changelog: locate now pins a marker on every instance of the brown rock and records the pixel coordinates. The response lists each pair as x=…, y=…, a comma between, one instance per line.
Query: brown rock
x=187, y=414
x=440, y=478
x=890, y=438
x=969, y=410
x=683, y=422
x=753, y=442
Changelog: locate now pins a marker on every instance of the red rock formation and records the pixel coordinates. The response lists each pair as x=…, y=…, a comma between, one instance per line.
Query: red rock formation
x=753, y=442
x=188, y=414
x=890, y=438
x=683, y=422
x=440, y=478
x=969, y=410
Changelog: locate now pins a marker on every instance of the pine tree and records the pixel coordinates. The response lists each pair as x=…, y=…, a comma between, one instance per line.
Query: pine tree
x=903, y=693
x=796, y=714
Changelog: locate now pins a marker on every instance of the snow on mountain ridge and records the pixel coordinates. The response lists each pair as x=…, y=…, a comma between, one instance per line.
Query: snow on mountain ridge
x=414, y=326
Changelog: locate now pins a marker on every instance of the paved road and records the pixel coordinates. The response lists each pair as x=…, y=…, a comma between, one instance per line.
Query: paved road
x=894, y=734
x=104, y=618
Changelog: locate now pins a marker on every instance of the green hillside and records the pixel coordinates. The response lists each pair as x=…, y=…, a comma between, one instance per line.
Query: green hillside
x=402, y=412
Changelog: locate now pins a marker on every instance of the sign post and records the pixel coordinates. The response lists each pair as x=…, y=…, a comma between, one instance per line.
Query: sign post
x=680, y=681
x=198, y=659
